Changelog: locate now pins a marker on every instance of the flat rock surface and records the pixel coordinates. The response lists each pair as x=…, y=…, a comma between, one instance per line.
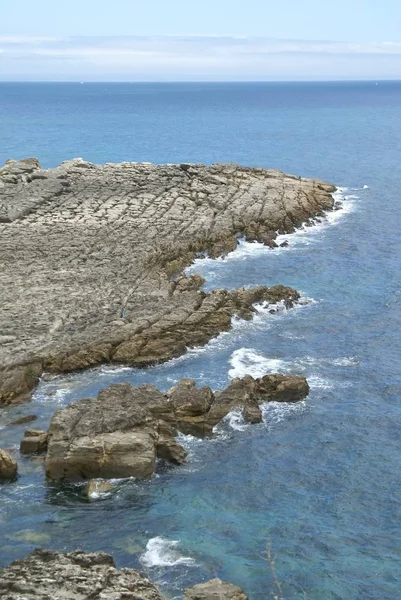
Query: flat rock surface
x=87, y=255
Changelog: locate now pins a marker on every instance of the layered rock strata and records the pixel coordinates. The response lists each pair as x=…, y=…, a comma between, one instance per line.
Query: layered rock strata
x=91, y=256
x=124, y=430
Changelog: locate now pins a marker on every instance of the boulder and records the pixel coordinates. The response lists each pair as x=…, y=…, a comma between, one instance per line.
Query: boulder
x=33, y=442
x=8, y=466
x=73, y=576
x=282, y=388
x=190, y=405
x=215, y=589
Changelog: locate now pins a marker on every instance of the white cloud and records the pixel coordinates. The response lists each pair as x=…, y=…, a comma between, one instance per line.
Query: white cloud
x=194, y=57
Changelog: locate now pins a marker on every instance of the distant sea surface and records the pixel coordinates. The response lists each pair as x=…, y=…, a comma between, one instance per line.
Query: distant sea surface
x=318, y=482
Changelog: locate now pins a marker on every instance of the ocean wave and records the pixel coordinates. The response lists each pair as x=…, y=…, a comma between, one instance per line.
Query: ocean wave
x=248, y=361
x=161, y=552
x=303, y=235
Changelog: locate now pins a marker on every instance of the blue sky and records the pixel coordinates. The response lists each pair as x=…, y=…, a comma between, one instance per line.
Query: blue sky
x=209, y=40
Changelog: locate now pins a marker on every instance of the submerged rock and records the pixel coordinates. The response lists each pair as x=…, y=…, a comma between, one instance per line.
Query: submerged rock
x=23, y=420
x=98, y=487
x=126, y=301
x=8, y=466
x=125, y=429
x=73, y=576
x=215, y=589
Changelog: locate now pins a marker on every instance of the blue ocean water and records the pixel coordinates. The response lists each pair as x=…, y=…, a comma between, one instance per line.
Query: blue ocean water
x=318, y=482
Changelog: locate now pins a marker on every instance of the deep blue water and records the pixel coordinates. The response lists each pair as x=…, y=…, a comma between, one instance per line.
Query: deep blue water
x=319, y=481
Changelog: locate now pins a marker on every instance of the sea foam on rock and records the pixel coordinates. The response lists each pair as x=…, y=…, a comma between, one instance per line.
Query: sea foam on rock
x=125, y=429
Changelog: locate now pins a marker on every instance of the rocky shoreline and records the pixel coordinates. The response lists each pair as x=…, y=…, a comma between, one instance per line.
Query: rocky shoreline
x=46, y=574
x=91, y=259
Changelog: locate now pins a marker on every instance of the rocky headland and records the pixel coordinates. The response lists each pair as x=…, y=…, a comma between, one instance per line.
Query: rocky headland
x=91, y=259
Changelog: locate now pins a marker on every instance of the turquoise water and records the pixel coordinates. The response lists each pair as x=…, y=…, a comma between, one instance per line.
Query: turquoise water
x=318, y=481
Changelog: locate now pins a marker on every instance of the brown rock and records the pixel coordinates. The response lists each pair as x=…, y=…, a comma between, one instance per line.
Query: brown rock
x=122, y=431
x=23, y=420
x=17, y=382
x=33, y=442
x=215, y=589
x=168, y=449
x=252, y=413
x=8, y=467
x=282, y=388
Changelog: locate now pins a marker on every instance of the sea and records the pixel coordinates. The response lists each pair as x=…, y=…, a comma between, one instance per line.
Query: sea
x=307, y=504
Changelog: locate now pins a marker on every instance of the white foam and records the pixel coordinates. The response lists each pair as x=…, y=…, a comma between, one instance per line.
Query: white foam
x=247, y=361
x=235, y=420
x=275, y=412
x=161, y=552
x=317, y=382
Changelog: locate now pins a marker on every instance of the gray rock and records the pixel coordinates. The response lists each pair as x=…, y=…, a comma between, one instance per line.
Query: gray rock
x=45, y=574
x=215, y=589
x=88, y=252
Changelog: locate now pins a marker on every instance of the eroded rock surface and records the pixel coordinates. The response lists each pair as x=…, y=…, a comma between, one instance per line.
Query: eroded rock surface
x=124, y=430
x=87, y=255
x=8, y=466
x=73, y=576
x=33, y=442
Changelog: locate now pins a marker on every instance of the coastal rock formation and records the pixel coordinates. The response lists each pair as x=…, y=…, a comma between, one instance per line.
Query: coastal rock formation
x=91, y=259
x=215, y=589
x=124, y=430
x=73, y=576
x=46, y=574
x=8, y=466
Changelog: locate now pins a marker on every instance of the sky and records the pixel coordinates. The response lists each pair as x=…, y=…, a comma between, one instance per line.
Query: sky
x=170, y=40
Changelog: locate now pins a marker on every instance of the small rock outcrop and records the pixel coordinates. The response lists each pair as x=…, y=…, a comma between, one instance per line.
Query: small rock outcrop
x=125, y=429
x=34, y=442
x=73, y=576
x=215, y=589
x=8, y=466
x=106, y=246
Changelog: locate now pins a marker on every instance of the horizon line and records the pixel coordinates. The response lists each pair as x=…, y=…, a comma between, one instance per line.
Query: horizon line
x=196, y=81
